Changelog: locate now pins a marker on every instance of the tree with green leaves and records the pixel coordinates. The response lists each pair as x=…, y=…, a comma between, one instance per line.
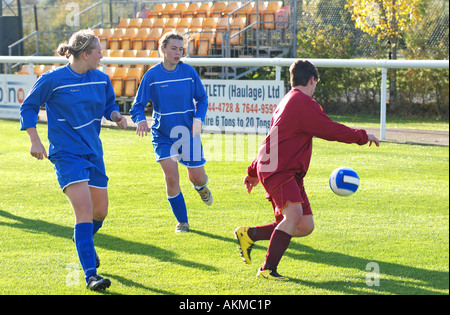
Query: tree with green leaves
x=388, y=20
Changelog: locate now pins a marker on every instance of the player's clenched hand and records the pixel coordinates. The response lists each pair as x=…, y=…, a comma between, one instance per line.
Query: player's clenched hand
x=121, y=121
x=142, y=128
x=250, y=182
x=37, y=150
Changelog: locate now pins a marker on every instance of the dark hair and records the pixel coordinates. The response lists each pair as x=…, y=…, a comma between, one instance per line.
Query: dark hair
x=301, y=72
x=79, y=42
x=164, y=40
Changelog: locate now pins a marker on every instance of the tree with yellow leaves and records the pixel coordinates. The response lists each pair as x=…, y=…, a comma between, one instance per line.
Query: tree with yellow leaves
x=387, y=20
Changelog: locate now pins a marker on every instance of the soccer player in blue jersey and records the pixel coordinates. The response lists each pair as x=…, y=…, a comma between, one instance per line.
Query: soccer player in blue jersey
x=76, y=97
x=179, y=108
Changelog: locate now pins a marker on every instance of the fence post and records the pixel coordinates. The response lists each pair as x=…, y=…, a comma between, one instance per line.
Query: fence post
x=278, y=73
x=383, y=104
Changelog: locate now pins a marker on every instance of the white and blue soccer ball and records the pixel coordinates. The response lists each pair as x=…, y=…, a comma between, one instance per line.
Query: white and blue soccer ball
x=344, y=181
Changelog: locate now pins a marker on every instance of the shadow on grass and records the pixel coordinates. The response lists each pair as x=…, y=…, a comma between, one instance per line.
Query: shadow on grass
x=411, y=280
x=134, y=284
x=106, y=242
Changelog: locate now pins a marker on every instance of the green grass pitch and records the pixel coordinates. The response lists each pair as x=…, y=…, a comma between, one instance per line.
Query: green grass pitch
x=390, y=237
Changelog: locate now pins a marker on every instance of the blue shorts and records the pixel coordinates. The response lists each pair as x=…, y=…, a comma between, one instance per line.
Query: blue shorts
x=186, y=150
x=71, y=168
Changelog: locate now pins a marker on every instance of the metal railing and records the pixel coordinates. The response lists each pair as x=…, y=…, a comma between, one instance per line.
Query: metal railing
x=278, y=63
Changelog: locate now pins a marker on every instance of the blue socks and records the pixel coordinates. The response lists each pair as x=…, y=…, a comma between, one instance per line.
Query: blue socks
x=97, y=226
x=178, y=207
x=85, y=248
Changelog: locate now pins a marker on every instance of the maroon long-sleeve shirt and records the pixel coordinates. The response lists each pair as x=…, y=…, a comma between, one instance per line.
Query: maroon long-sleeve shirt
x=286, y=151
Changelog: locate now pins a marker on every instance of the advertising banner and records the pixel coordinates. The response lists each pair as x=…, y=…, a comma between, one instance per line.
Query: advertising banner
x=13, y=90
x=237, y=106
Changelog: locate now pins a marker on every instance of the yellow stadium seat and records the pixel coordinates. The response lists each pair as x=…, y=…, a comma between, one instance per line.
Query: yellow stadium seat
x=167, y=30
x=129, y=54
x=109, y=71
x=192, y=40
x=196, y=23
x=244, y=11
x=117, y=80
x=114, y=40
x=230, y=7
x=204, y=42
x=135, y=23
x=151, y=43
x=204, y=10
x=178, y=11
x=131, y=81
x=269, y=14
x=168, y=8
x=159, y=23
x=123, y=23
x=171, y=23
x=191, y=10
x=237, y=24
x=106, y=52
x=142, y=54
x=39, y=69
x=156, y=11
x=126, y=38
x=137, y=42
x=104, y=36
x=147, y=23
x=118, y=53
x=184, y=23
x=221, y=27
x=96, y=31
x=25, y=69
x=253, y=16
x=217, y=9
x=153, y=54
x=115, y=53
x=181, y=30
x=209, y=23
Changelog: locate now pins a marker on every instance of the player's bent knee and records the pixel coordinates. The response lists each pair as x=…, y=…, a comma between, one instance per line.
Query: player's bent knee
x=100, y=214
x=305, y=228
x=197, y=177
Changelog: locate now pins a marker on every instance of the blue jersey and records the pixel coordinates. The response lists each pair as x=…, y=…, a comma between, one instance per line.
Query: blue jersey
x=75, y=104
x=177, y=96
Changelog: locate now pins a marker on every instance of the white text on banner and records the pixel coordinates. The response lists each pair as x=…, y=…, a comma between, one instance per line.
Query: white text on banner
x=241, y=105
x=13, y=90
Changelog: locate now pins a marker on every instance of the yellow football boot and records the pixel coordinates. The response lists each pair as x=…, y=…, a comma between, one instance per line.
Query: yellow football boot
x=245, y=243
x=270, y=274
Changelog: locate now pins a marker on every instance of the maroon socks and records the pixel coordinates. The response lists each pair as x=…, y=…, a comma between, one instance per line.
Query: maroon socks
x=279, y=242
x=262, y=233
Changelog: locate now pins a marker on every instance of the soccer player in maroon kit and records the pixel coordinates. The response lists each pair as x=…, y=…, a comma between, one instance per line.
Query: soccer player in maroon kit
x=282, y=163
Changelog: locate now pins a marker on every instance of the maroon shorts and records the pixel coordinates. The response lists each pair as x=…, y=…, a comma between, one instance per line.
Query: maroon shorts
x=292, y=191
